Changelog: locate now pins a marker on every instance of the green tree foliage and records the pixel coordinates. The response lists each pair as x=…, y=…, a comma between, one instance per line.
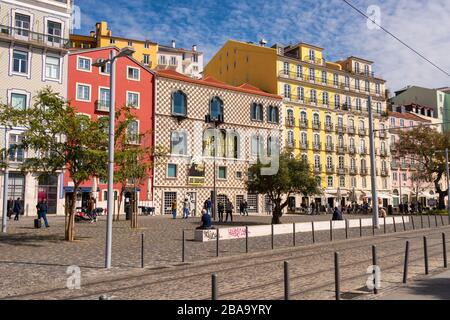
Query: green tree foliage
x=293, y=177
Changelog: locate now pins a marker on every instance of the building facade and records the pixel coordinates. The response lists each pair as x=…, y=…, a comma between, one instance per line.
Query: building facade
x=149, y=53
x=407, y=187
x=34, y=41
x=326, y=112
x=89, y=92
x=248, y=121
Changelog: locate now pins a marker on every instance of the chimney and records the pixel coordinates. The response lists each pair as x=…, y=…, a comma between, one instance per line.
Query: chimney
x=263, y=42
x=194, y=47
x=173, y=44
x=92, y=33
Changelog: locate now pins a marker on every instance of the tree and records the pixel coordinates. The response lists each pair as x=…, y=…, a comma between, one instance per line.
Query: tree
x=293, y=177
x=58, y=139
x=426, y=146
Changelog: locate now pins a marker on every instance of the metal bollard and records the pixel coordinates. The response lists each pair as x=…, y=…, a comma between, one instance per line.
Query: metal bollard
x=182, y=247
x=272, y=237
x=360, y=227
x=395, y=226
x=217, y=242
x=286, y=281
x=346, y=229
x=142, y=250
x=435, y=220
x=444, y=250
x=429, y=222
x=331, y=230
x=384, y=226
x=425, y=254
x=413, y=225
x=214, y=287
x=403, y=221
x=405, y=266
x=421, y=221
x=442, y=220
x=246, y=239
x=373, y=229
x=313, y=232
x=374, y=263
x=293, y=234
x=337, y=280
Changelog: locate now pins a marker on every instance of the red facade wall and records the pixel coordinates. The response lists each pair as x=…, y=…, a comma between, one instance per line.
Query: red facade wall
x=144, y=114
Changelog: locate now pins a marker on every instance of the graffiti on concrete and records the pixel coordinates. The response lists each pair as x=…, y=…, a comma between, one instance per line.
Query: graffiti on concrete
x=237, y=232
x=210, y=234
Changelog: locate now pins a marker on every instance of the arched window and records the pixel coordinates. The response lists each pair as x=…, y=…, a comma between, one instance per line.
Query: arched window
x=305, y=157
x=257, y=112
x=178, y=143
x=325, y=98
x=317, y=140
x=363, y=164
x=216, y=109
x=352, y=163
x=316, y=118
x=351, y=123
x=303, y=138
x=303, y=116
x=329, y=162
x=340, y=141
x=342, y=181
x=352, y=143
x=330, y=182
x=291, y=138
x=274, y=115
x=363, y=146
x=317, y=161
x=179, y=103
x=328, y=120
x=361, y=124
x=256, y=145
x=340, y=122
x=341, y=162
x=329, y=141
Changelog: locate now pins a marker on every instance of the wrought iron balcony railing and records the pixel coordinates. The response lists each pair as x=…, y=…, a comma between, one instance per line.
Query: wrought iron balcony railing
x=31, y=37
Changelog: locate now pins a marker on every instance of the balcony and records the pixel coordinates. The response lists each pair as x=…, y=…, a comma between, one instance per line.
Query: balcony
x=317, y=147
x=351, y=130
x=364, y=171
x=341, y=149
x=303, y=124
x=317, y=169
x=328, y=127
x=382, y=134
x=363, y=151
x=353, y=171
x=290, y=143
x=340, y=129
x=102, y=105
x=304, y=145
x=362, y=132
x=27, y=37
x=405, y=166
x=316, y=125
x=383, y=153
x=329, y=147
x=330, y=170
x=384, y=172
x=320, y=62
x=290, y=122
x=342, y=170
x=351, y=150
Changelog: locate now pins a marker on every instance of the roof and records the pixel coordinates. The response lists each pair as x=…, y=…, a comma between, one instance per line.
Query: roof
x=74, y=51
x=407, y=116
x=213, y=82
x=360, y=59
x=169, y=48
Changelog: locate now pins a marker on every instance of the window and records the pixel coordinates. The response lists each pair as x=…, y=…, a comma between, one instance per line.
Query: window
x=178, y=143
x=377, y=88
x=146, y=59
x=303, y=137
x=146, y=45
x=195, y=68
x=106, y=69
x=104, y=98
x=358, y=104
x=317, y=161
x=335, y=79
x=133, y=73
x=330, y=182
x=173, y=61
x=195, y=57
x=395, y=176
x=411, y=123
x=357, y=86
x=133, y=99
x=84, y=64
x=324, y=77
x=303, y=117
x=130, y=43
x=312, y=55
x=16, y=151
x=222, y=174
x=316, y=118
x=313, y=96
x=312, y=74
x=286, y=68
x=328, y=120
x=287, y=91
x=392, y=122
x=299, y=71
x=367, y=86
x=353, y=180
x=20, y=61
x=329, y=162
x=325, y=98
x=357, y=67
x=112, y=41
x=171, y=170
x=54, y=31
x=133, y=132
x=22, y=22
x=347, y=81
x=402, y=123
x=317, y=140
x=290, y=138
x=257, y=112
x=366, y=70
x=337, y=101
x=52, y=68
x=273, y=114
x=305, y=158
x=364, y=182
x=216, y=109
x=18, y=101
x=83, y=92
x=378, y=106
x=162, y=60
x=179, y=103
x=239, y=175
x=348, y=102
x=256, y=145
x=301, y=93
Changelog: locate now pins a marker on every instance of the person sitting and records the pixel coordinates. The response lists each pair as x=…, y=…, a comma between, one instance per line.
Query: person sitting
x=337, y=214
x=206, y=221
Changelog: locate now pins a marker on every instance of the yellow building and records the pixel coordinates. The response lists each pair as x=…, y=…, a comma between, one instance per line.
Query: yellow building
x=325, y=112
x=146, y=51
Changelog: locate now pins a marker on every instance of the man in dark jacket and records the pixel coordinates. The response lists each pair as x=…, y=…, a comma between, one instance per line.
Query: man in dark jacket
x=229, y=210
x=17, y=209
x=221, y=209
x=337, y=214
x=206, y=221
x=42, y=209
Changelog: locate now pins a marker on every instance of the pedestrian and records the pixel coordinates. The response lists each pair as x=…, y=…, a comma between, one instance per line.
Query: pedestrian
x=174, y=208
x=229, y=210
x=337, y=214
x=220, y=209
x=206, y=221
x=91, y=209
x=269, y=208
x=186, y=208
x=17, y=209
x=208, y=205
x=42, y=209
x=245, y=207
x=241, y=208
x=382, y=213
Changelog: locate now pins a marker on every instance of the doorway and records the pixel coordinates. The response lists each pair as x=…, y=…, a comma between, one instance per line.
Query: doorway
x=192, y=198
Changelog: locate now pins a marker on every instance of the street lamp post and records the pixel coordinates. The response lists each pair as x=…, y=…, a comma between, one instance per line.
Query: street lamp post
x=448, y=186
x=113, y=56
x=5, y=186
x=373, y=163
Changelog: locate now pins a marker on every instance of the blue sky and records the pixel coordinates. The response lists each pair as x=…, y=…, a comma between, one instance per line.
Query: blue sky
x=330, y=24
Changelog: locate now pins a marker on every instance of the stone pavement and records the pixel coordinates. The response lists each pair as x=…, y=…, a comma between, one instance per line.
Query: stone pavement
x=36, y=260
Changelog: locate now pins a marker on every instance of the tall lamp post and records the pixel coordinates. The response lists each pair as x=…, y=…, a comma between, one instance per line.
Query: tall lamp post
x=113, y=56
x=373, y=164
x=5, y=186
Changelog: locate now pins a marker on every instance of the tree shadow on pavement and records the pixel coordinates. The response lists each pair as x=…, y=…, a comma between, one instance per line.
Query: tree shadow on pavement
x=436, y=288
x=31, y=240
x=45, y=264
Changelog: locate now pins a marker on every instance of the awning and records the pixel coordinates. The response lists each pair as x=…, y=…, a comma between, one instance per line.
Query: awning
x=81, y=189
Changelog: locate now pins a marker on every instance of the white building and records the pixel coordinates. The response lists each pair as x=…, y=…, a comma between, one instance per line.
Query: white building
x=187, y=62
x=33, y=54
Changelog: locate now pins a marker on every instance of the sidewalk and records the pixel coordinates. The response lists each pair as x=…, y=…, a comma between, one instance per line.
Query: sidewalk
x=434, y=287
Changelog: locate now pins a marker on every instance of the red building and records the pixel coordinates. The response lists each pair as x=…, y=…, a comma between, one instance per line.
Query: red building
x=88, y=91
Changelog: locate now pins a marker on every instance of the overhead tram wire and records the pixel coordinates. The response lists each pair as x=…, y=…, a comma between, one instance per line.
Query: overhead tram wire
x=398, y=39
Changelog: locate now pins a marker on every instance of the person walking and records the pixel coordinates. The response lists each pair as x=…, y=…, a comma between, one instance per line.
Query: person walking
x=42, y=209
x=220, y=209
x=186, y=208
x=241, y=208
x=91, y=209
x=382, y=213
x=269, y=208
x=229, y=210
x=245, y=208
x=174, y=208
x=17, y=209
